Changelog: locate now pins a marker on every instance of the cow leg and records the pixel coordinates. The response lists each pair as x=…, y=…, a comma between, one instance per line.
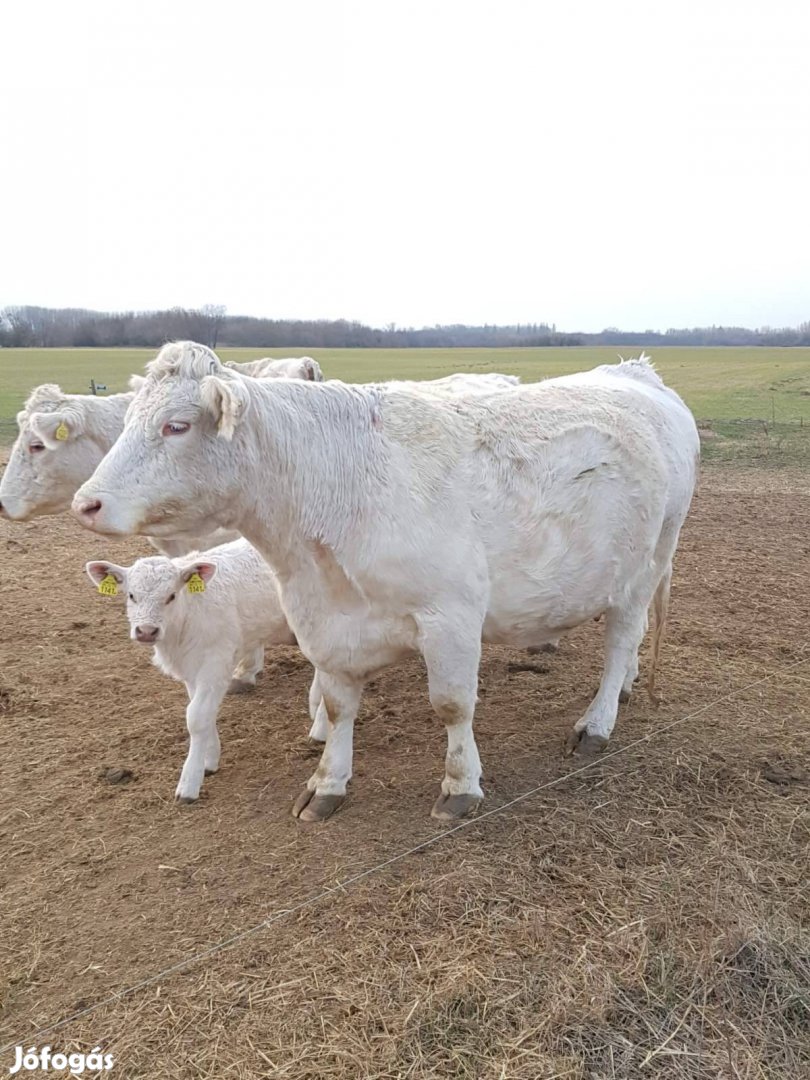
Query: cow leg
x=452, y=667
x=244, y=678
x=624, y=629
x=326, y=788
x=203, y=751
x=317, y=712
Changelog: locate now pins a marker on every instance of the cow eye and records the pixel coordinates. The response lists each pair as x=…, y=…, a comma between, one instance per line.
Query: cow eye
x=171, y=598
x=175, y=427
x=35, y=447
x=132, y=598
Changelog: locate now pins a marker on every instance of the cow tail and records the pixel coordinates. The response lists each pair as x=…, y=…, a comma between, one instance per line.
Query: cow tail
x=660, y=609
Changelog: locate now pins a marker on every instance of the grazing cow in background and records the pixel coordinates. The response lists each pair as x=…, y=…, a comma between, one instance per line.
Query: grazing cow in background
x=293, y=367
x=401, y=521
x=203, y=614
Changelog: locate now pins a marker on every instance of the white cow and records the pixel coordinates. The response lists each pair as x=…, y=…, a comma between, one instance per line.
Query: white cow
x=401, y=521
x=203, y=614
x=292, y=367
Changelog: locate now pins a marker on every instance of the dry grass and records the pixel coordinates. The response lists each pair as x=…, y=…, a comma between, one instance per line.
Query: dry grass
x=647, y=918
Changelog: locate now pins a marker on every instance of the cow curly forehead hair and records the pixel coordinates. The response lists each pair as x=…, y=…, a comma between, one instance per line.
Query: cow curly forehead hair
x=222, y=391
x=188, y=359
x=44, y=398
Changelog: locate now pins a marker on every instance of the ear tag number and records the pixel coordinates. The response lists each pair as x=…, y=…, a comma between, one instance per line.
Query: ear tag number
x=196, y=583
x=62, y=432
x=108, y=586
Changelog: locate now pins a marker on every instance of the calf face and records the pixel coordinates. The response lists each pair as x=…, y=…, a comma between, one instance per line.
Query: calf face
x=152, y=588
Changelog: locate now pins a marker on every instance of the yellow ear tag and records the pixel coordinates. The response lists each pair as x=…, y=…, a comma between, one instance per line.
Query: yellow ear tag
x=196, y=583
x=62, y=433
x=108, y=586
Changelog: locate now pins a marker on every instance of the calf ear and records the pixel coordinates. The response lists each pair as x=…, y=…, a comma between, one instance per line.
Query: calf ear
x=97, y=571
x=205, y=570
x=227, y=401
x=55, y=427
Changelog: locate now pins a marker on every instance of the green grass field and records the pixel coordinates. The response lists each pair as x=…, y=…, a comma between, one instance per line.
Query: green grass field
x=720, y=385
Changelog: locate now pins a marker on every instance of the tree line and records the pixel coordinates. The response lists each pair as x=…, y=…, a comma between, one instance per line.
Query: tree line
x=40, y=327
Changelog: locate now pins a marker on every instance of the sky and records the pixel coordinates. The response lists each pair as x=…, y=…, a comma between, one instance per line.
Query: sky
x=588, y=164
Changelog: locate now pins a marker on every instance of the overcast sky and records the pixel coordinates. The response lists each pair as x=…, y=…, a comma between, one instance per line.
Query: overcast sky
x=592, y=164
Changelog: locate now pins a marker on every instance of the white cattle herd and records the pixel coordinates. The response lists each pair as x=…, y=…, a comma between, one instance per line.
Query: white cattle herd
x=376, y=521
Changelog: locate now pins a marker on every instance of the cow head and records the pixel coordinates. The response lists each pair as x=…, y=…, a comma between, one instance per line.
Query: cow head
x=172, y=466
x=51, y=457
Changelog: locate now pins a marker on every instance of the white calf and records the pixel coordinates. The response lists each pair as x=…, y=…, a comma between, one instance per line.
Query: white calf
x=203, y=614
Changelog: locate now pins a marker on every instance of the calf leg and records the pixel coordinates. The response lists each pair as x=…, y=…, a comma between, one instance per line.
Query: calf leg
x=452, y=667
x=317, y=712
x=326, y=788
x=203, y=751
x=624, y=629
x=244, y=678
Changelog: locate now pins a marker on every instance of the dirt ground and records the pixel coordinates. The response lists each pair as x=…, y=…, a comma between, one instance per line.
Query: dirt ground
x=646, y=917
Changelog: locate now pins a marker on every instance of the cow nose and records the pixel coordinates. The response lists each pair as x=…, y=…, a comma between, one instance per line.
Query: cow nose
x=87, y=508
x=146, y=634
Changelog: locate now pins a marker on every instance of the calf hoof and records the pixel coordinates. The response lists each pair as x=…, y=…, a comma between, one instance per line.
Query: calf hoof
x=450, y=807
x=239, y=687
x=311, y=807
x=624, y=697
x=585, y=744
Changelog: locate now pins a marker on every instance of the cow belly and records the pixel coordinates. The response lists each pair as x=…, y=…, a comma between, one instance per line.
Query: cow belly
x=357, y=646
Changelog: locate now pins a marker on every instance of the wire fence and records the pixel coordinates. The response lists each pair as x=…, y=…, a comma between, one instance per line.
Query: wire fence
x=348, y=883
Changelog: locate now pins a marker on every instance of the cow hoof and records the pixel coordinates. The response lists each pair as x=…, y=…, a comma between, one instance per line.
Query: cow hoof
x=311, y=807
x=585, y=744
x=624, y=697
x=450, y=807
x=211, y=772
x=185, y=800
x=239, y=687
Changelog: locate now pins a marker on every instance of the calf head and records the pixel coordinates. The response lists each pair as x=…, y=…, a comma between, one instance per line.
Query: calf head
x=153, y=587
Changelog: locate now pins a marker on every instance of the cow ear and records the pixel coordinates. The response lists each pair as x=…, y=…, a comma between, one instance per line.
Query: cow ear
x=98, y=571
x=136, y=382
x=312, y=370
x=55, y=427
x=227, y=400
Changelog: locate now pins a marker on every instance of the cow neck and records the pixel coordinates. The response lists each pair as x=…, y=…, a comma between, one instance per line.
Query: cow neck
x=319, y=467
